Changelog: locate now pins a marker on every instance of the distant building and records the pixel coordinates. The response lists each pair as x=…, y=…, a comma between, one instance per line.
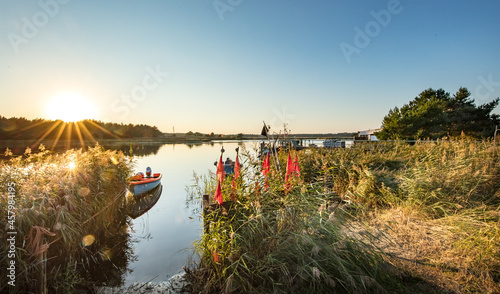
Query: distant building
x=332, y=143
x=368, y=135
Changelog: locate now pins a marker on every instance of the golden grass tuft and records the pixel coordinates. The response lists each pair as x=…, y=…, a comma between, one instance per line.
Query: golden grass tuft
x=60, y=199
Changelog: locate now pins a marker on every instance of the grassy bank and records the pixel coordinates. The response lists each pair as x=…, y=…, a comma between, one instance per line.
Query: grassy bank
x=379, y=217
x=68, y=211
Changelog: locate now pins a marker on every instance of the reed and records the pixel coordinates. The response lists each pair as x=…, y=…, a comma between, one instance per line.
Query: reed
x=277, y=241
x=68, y=206
x=386, y=216
x=438, y=201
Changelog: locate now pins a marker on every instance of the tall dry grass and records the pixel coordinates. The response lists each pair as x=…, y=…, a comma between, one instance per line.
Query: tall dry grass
x=386, y=216
x=439, y=201
x=68, y=209
x=272, y=241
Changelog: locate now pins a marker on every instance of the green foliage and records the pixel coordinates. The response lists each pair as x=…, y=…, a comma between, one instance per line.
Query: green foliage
x=437, y=177
x=435, y=114
x=451, y=185
x=312, y=240
x=23, y=129
x=272, y=241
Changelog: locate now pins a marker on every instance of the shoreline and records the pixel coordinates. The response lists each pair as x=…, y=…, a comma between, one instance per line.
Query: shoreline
x=173, y=285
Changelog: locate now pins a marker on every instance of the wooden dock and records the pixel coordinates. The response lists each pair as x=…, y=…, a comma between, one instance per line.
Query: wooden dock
x=214, y=211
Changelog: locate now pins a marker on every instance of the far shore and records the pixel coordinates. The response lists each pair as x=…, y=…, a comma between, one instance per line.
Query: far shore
x=167, y=138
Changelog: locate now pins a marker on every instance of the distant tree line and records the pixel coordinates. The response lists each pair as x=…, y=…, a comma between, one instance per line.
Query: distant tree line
x=24, y=129
x=436, y=114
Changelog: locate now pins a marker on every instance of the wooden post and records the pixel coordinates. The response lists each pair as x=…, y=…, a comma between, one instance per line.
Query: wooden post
x=206, y=206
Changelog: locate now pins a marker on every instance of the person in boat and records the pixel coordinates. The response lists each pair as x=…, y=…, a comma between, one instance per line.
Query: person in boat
x=138, y=176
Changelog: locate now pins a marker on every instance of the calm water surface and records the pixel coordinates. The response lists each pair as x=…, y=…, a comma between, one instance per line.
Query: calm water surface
x=163, y=237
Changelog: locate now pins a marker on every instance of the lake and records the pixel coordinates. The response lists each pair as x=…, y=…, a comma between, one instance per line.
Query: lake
x=160, y=242
x=165, y=234
x=163, y=237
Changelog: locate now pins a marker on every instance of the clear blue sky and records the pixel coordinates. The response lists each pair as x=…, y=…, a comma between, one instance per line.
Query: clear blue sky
x=227, y=65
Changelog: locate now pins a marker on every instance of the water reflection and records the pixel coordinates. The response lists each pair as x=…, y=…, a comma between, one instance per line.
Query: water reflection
x=142, y=203
x=107, y=254
x=135, y=149
x=166, y=233
x=132, y=148
x=151, y=241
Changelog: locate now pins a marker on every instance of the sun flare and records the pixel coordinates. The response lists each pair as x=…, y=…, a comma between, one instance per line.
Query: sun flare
x=70, y=108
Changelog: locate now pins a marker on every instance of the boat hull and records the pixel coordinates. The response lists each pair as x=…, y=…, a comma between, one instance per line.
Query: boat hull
x=143, y=186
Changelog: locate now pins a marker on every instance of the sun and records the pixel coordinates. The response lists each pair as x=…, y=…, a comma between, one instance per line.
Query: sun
x=70, y=108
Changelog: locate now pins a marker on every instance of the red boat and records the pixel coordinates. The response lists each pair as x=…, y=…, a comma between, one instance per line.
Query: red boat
x=141, y=183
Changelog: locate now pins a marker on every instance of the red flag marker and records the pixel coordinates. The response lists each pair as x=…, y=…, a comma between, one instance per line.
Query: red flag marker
x=296, y=167
x=233, y=185
x=237, y=168
x=289, y=167
x=220, y=170
x=216, y=256
x=218, y=194
x=266, y=166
